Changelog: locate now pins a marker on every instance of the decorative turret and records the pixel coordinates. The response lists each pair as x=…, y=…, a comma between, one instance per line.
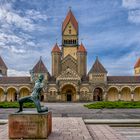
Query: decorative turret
x=97, y=74
x=70, y=35
x=56, y=61
x=39, y=68
x=82, y=60
x=3, y=68
x=137, y=67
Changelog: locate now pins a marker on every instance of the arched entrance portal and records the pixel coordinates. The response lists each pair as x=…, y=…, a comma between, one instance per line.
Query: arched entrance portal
x=98, y=94
x=68, y=93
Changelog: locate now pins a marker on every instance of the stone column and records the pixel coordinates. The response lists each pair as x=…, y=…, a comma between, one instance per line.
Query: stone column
x=45, y=96
x=132, y=96
x=119, y=96
x=18, y=95
x=104, y=96
x=5, y=96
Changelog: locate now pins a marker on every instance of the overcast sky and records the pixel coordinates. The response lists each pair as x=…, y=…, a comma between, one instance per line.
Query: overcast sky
x=109, y=29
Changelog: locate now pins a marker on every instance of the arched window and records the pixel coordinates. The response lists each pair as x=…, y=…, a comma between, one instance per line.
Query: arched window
x=69, y=31
x=51, y=93
x=72, y=41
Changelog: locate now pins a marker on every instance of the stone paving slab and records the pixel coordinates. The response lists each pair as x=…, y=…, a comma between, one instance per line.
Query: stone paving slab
x=104, y=132
x=131, y=133
x=69, y=129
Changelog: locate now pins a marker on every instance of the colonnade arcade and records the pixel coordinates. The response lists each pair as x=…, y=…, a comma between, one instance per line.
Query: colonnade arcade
x=12, y=93
x=123, y=94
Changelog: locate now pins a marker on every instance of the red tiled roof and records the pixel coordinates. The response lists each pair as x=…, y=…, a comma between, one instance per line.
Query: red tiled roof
x=137, y=63
x=70, y=17
x=123, y=79
x=56, y=48
x=14, y=80
x=97, y=67
x=40, y=67
x=2, y=64
x=81, y=48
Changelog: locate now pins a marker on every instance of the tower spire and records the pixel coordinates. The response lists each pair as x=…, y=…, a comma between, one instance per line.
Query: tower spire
x=70, y=35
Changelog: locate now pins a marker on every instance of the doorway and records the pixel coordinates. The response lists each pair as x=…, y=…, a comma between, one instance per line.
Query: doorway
x=68, y=93
x=69, y=98
x=98, y=94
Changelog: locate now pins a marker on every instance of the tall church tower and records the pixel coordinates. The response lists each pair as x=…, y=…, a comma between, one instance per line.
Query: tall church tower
x=69, y=36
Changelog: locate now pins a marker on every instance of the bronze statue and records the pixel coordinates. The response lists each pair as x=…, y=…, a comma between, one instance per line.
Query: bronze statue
x=34, y=96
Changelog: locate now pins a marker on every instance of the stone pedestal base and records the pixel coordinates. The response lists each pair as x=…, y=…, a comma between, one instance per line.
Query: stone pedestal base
x=30, y=125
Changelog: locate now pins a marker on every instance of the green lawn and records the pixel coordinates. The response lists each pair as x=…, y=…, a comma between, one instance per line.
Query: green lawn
x=15, y=105
x=118, y=104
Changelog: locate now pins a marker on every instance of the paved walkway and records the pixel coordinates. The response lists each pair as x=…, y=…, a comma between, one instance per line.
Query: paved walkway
x=131, y=133
x=74, y=129
x=78, y=110
x=104, y=132
x=69, y=129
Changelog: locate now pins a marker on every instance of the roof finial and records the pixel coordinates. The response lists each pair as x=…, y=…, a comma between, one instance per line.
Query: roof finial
x=40, y=57
x=69, y=7
x=97, y=57
x=56, y=40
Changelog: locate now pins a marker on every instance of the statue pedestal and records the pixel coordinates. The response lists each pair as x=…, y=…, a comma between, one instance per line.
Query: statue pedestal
x=30, y=125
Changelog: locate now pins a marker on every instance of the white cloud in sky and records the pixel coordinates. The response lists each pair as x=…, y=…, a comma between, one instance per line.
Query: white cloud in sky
x=9, y=16
x=131, y=4
x=36, y=15
x=13, y=72
x=29, y=31
x=133, y=7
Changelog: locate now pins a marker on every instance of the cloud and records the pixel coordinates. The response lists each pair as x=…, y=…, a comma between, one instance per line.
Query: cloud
x=13, y=72
x=133, y=7
x=9, y=16
x=28, y=30
x=134, y=16
x=131, y=4
x=36, y=15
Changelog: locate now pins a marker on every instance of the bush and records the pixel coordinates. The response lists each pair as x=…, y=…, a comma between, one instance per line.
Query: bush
x=108, y=104
x=15, y=105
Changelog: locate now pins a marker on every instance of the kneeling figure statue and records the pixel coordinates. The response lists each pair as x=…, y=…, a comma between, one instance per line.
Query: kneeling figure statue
x=34, y=96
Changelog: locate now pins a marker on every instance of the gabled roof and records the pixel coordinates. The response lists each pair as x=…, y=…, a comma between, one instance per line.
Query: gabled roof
x=81, y=48
x=14, y=80
x=70, y=18
x=68, y=74
x=56, y=48
x=69, y=57
x=123, y=79
x=40, y=67
x=97, y=67
x=137, y=63
x=2, y=64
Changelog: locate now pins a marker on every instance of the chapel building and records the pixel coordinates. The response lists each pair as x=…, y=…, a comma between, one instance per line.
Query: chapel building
x=69, y=80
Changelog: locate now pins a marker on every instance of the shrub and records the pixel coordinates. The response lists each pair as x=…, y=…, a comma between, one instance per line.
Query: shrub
x=115, y=104
x=15, y=105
